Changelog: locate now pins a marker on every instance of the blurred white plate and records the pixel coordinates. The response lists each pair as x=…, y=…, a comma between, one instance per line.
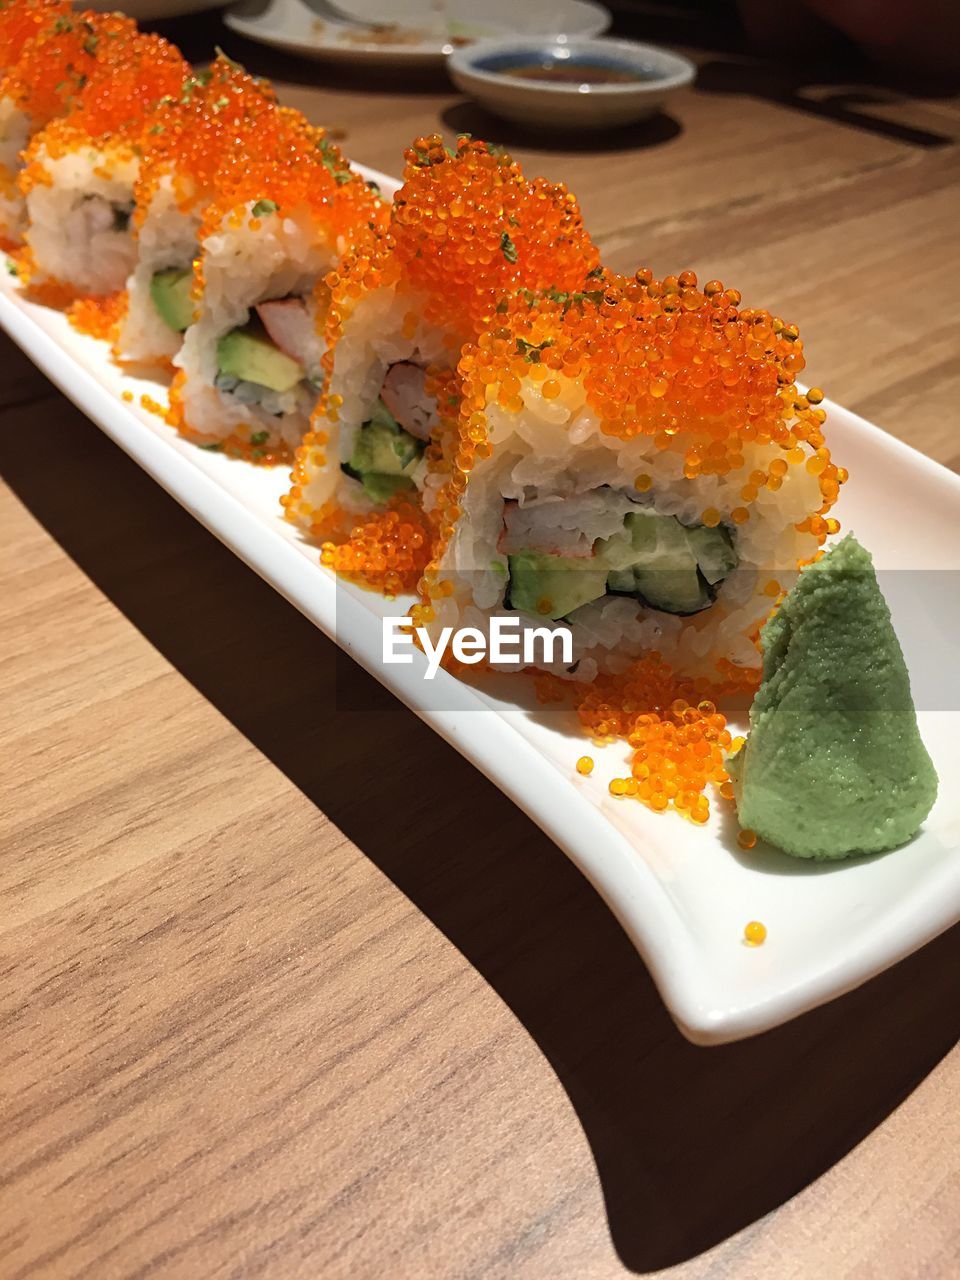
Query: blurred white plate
x=682, y=893
x=153, y=10
x=405, y=34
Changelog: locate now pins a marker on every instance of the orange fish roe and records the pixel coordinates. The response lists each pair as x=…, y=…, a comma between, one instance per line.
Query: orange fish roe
x=386, y=550
x=466, y=228
x=98, y=317
x=679, y=737
x=99, y=69
x=292, y=164
x=48, y=293
x=755, y=933
x=22, y=19
x=153, y=406
x=585, y=765
x=191, y=135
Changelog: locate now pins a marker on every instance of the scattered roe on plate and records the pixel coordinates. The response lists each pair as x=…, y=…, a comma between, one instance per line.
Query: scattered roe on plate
x=679, y=738
x=465, y=227
x=386, y=550
x=755, y=933
x=98, y=316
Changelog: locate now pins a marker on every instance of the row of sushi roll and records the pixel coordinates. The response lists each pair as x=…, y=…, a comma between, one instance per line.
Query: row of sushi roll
x=477, y=409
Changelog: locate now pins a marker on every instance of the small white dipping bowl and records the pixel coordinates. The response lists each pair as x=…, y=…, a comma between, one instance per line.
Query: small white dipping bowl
x=488, y=71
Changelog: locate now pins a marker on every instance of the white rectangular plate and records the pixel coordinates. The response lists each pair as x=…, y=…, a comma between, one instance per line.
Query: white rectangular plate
x=682, y=893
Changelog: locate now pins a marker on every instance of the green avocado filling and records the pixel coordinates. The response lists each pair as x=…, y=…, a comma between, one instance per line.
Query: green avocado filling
x=248, y=355
x=383, y=456
x=669, y=566
x=170, y=292
x=834, y=764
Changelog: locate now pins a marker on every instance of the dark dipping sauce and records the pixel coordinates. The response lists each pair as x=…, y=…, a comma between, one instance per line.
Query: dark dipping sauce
x=566, y=72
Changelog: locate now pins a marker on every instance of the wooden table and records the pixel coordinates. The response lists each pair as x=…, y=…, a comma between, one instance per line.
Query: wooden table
x=287, y=988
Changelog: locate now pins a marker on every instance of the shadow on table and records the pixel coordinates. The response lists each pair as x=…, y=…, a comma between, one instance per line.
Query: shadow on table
x=691, y=1144
x=849, y=96
x=466, y=116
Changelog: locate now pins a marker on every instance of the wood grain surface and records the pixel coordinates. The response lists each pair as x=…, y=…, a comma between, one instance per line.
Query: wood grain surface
x=286, y=988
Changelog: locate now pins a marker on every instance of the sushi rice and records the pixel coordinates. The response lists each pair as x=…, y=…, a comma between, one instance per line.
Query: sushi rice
x=79, y=210
x=165, y=240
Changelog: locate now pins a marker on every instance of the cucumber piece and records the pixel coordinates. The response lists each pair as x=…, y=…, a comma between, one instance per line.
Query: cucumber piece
x=714, y=551
x=548, y=586
x=170, y=291
x=680, y=591
x=249, y=355
x=670, y=566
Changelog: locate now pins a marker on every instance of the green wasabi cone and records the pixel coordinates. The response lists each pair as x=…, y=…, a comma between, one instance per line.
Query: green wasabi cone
x=834, y=763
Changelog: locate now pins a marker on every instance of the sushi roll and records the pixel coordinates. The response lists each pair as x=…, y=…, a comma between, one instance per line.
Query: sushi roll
x=188, y=139
x=285, y=208
x=466, y=228
x=44, y=60
x=81, y=169
x=635, y=463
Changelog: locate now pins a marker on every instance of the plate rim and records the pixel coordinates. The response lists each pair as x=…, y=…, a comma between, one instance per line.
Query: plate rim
x=432, y=52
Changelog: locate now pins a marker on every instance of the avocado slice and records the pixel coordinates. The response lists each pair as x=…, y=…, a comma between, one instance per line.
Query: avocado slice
x=383, y=456
x=553, y=586
x=834, y=764
x=670, y=566
x=384, y=447
x=171, y=293
x=248, y=354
